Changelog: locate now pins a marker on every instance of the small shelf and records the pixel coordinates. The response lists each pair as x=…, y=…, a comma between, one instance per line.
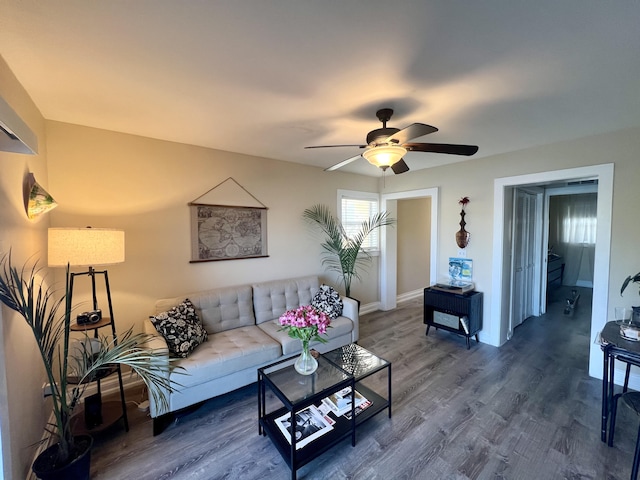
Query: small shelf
x=378, y=404
x=74, y=327
x=341, y=429
x=111, y=413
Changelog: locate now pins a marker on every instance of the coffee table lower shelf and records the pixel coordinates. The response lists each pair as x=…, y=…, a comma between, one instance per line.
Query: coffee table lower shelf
x=341, y=430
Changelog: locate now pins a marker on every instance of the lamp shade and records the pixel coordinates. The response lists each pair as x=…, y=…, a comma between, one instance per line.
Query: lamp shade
x=85, y=246
x=385, y=155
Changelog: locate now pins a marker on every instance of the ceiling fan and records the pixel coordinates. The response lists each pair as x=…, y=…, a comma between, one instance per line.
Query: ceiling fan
x=386, y=146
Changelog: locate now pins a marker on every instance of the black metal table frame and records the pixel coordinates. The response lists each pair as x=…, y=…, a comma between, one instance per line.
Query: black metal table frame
x=614, y=348
x=293, y=408
x=357, y=378
x=264, y=380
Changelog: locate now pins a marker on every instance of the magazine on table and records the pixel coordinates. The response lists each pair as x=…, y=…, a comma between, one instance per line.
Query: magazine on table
x=310, y=424
x=325, y=411
x=359, y=409
x=340, y=402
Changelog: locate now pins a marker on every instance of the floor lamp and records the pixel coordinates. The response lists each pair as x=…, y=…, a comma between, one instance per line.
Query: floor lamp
x=88, y=247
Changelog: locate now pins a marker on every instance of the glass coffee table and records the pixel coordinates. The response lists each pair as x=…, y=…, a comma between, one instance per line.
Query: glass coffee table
x=327, y=406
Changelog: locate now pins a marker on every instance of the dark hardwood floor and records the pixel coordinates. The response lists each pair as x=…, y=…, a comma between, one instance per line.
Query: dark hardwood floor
x=527, y=410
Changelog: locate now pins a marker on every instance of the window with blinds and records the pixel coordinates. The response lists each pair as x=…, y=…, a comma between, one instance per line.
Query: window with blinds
x=355, y=208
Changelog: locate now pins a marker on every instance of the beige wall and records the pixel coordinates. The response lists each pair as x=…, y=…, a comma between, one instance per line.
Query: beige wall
x=475, y=179
x=22, y=412
x=141, y=185
x=414, y=245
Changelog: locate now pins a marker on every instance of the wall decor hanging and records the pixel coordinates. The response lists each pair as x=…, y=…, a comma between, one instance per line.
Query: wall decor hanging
x=36, y=199
x=228, y=223
x=462, y=236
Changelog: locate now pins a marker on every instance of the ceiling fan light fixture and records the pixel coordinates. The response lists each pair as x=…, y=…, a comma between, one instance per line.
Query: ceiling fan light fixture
x=385, y=155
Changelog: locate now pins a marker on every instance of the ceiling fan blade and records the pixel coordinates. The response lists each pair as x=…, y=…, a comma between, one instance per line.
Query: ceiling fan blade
x=400, y=167
x=414, y=130
x=334, y=146
x=449, y=148
x=342, y=163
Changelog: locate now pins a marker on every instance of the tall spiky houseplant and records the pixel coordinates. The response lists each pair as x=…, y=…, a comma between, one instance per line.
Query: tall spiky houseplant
x=632, y=279
x=342, y=253
x=48, y=317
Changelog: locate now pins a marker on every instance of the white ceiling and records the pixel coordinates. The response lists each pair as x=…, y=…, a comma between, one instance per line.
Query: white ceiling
x=268, y=77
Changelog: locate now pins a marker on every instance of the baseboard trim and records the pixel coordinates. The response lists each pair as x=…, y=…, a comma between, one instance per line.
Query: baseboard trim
x=405, y=297
x=110, y=384
x=369, y=307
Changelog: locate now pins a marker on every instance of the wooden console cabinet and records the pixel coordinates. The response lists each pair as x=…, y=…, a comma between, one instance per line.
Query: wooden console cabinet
x=457, y=313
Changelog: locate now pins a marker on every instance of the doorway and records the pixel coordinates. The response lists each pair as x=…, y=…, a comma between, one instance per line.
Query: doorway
x=389, y=243
x=501, y=287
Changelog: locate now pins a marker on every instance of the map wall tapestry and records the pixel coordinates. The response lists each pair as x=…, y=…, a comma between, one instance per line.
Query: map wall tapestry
x=221, y=232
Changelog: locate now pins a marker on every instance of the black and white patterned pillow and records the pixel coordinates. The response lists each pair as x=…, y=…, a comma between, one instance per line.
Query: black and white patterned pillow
x=181, y=328
x=327, y=300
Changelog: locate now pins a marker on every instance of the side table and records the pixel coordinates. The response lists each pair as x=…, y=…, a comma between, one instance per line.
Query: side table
x=347, y=366
x=296, y=392
x=104, y=414
x=454, y=312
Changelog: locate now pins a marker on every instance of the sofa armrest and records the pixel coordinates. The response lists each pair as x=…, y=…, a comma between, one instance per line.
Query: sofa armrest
x=157, y=343
x=350, y=310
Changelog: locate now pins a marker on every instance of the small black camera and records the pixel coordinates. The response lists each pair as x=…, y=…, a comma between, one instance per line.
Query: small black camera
x=84, y=318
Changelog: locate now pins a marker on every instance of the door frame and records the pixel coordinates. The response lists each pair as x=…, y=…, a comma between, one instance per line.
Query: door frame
x=499, y=316
x=389, y=243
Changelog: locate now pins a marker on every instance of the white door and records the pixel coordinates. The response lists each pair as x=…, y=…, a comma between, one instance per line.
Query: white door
x=524, y=256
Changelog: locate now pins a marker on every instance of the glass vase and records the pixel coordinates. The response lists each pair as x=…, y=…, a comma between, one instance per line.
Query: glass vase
x=305, y=363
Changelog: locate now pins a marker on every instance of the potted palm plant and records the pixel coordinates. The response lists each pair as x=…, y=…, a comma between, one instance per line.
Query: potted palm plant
x=342, y=253
x=24, y=291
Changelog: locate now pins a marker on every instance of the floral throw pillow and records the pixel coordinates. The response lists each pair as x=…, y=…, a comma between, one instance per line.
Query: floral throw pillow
x=327, y=300
x=181, y=328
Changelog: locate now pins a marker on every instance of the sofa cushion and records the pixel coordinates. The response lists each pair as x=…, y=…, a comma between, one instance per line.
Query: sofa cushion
x=220, y=309
x=226, y=353
x=181, y=328
x=327, y=300
x=339, y=326
x=272, y=299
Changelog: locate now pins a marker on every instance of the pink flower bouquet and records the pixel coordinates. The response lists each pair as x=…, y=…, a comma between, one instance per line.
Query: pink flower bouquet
x=305, y=323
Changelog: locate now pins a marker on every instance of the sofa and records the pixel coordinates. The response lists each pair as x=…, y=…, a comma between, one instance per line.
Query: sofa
x=243, y=331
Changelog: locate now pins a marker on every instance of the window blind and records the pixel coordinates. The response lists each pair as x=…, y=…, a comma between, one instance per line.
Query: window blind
x=354, y=212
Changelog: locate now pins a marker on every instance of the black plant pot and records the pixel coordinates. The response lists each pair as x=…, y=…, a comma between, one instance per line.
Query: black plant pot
x=77, y=469
x=358, y=302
